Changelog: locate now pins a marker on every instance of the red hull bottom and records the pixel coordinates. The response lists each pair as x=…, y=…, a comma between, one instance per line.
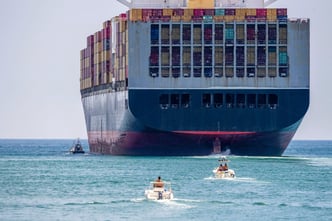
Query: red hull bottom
x=178, y=144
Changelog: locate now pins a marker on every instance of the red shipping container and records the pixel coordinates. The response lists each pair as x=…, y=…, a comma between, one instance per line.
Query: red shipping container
x=198, y=12
x=90, y=40
x=123, y=16
x=178, y=12
x=261, y=12
x=165, y=18
x=282, y=12
x=157, y=12
x=146, y=12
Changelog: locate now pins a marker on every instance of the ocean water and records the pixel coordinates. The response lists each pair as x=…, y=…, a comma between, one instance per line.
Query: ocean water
x=39, y=180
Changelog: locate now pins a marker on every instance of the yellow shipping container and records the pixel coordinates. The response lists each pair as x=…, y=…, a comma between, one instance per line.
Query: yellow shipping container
x=167, y=12
x=186, y=18
x=176, y=18
x=135, y=14
x=251, y=12
x=271, y=17
x=239, y=18
x=218, y=18
x=188, y=12
x=87, y=62
x=240, y=12
x=123, y=25
x=271, y=11
x=200, y=3
x=229, y=18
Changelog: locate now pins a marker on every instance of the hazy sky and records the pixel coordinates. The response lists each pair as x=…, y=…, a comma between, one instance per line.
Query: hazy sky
x=40, y=45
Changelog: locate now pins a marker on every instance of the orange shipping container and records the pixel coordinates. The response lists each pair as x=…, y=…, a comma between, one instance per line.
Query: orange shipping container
x=167, y=12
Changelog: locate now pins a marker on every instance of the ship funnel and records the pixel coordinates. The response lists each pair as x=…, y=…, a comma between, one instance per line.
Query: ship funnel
x=196, y=3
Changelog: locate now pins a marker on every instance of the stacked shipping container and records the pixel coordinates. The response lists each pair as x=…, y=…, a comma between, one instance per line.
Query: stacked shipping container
x=100, y=63
x=191, y=42
x=237, y=42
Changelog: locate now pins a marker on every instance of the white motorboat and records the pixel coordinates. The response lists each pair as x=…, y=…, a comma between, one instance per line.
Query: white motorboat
x=159, y=191
x=222, y=171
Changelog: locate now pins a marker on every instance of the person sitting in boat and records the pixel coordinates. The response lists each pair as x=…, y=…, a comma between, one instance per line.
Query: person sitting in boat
x=158, y=183
x=221, y=167
x=225, y=167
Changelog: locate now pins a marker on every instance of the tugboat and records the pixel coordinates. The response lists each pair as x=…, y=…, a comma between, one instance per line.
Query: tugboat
x=223, y=171
x=77, y=147
x=159, y=190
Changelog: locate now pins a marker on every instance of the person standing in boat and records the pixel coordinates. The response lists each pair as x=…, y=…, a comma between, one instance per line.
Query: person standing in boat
x=158, y=182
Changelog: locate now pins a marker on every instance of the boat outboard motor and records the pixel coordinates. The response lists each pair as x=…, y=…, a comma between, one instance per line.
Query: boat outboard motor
x=160, y=195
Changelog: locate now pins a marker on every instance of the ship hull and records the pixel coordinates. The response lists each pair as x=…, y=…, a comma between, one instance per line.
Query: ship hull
x=114, y=128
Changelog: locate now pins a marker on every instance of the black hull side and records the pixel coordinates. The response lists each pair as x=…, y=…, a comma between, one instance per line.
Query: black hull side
x=114, y=129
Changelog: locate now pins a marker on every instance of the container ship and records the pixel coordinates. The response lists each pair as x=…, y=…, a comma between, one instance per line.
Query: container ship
x=196, y=77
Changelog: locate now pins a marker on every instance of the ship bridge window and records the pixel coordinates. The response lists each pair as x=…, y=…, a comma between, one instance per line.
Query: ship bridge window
x=229, y=100
x=175, y=100
x=164, y=101
x=272, y=101
x=154, y=34
x=206, y=100
x=261, y=100
x=240, y=100
x=218, y=100
x=185, y=100
x=251, y=99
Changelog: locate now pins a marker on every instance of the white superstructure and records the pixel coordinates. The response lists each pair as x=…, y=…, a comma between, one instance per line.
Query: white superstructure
x=186, y=3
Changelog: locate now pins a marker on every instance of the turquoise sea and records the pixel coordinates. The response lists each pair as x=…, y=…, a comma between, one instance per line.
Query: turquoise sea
x=39, y=180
